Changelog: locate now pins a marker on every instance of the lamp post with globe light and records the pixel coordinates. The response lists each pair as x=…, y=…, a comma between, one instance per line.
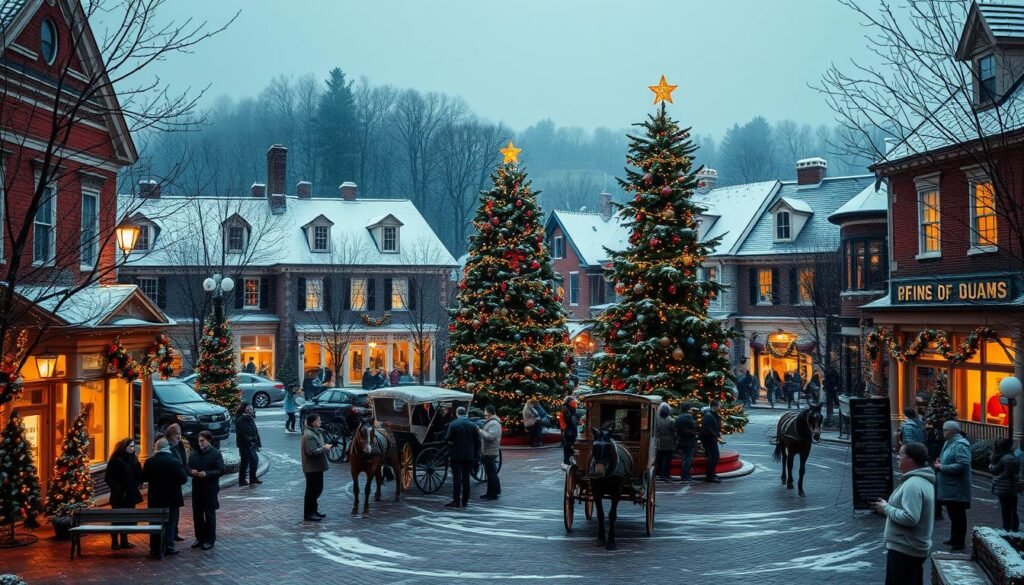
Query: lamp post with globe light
x=1010, y=387
x=218, y=285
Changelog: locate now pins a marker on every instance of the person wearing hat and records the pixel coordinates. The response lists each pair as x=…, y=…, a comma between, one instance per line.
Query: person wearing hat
x=954, y=481
x=568, y=420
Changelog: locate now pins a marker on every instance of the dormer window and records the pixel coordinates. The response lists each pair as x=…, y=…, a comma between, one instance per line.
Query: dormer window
x=390, y=239
x=236, y=235
x=783, y=226
x=318, y=234
x=987, y=78
x=142, y=244
x=385, y=233
x=321, y=237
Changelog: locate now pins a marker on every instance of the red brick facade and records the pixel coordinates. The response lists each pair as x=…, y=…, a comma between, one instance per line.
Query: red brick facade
x=564, y=267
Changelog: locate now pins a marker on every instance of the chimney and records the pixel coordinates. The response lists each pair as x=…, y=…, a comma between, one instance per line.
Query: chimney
x=149, y=189
x=604, y=205
x=810, y=171
x=258, y=190
x=304, y=189
x=707, y=179
x=348, y=190
x=277, y=170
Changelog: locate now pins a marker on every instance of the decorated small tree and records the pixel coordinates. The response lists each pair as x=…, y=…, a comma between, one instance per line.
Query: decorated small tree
x=940, y=405
x=19, y=478
x=216, y=370
x=659, y=338
x=70, y=486
x=508, y=335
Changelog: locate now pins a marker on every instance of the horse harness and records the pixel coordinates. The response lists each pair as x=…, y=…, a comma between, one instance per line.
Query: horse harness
x=381, y=443
x=789, y=425
x=623, y=464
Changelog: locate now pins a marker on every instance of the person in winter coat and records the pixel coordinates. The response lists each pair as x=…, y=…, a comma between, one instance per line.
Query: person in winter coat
x=908, y=518
x=911, y=429
x=934, y=441
x=463, y=438
x=790, y=389
x=710, y=433
x=395, y=376
x=832, y=383
x=769, y=387
x=664, y=433
x=290, y=407
x=314, y=464
x=531, y=422
x=181, y=449
x=1005, y=471
x=123, y=477
x=165, y=475
x=748, y=389
x=569, y=424
x=954, y=482
x=367, y=379
x=686, y=442
x=247, y=438
x=206, y=465
x=489, y=450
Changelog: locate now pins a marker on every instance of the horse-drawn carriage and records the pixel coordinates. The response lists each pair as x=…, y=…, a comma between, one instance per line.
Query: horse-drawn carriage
x=418, y=417
x=614, y=458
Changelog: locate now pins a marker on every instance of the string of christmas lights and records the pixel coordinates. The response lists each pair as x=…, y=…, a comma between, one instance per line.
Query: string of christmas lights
x=71, y=486
x=216, y=371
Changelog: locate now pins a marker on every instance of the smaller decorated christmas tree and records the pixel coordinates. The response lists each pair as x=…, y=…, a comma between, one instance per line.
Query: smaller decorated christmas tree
x=19, y=479
x=940, y=405
x=216, y=371
x=71, y=485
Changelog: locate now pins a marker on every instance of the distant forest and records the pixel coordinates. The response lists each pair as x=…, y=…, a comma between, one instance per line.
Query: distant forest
x=433, y=149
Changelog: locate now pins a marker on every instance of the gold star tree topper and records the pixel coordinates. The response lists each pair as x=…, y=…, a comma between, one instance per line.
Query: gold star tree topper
x=511, y=153
x=662, y=91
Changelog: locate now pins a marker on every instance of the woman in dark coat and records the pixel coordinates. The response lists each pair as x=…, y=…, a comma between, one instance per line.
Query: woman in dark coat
x=247, y=438
x=123, y=476
x=1005, y=470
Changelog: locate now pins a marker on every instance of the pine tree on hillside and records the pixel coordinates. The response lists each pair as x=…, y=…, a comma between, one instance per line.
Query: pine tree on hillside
x=216, y=370
x=508, y=335
x=940, y=405
x=19, y=479
x=71, y=482
x=659, y=338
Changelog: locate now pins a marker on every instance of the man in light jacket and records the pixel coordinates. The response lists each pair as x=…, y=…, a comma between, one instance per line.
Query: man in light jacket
x=954, y=482
x=490, y=434
x=314, y=463
x=909, y=518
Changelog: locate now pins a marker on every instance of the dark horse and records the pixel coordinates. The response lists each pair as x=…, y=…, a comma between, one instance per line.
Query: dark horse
x=370, y=448
x=793, y=436
x=610, y=469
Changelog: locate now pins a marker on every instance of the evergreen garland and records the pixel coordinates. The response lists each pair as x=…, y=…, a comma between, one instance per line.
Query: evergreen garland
x=19, y=479
x=216, y=370
x=71, y=485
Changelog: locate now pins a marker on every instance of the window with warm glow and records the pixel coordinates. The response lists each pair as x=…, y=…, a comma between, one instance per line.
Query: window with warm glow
x=764, y=286
x=399, y=294
x=805, y=281
x=983, y=215
x=928, y=221
x=252, y=293
x=314, y=294
x=357, y=295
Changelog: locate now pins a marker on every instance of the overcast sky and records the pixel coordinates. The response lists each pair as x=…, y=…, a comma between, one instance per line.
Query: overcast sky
x=579, y=62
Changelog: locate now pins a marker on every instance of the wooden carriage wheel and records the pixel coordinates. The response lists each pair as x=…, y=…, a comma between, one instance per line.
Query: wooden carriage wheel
x=588, y=504
x=649, y=506
x=430, y=469
x=569, y=501
x=405, y=459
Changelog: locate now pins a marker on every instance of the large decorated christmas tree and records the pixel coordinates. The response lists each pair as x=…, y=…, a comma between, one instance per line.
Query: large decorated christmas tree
x=71, y=484
x=507, y=332
x=19, y=479
x=216, y=371
x=659, y=338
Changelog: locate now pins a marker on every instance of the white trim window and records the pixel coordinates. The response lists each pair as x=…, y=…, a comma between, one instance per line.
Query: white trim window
x=389, y=239
x=357, y=294
x=150, y=286
x=314, y=294
x=986, y=78
x=984, y=224
x=574, y=289
x=143, y=243
x=48, y=42
x=251, y=293
x=399, y=294
x=44, y=233
x=557, y=248
x=90, y=240
x=928, y=223
x=783, y=226
x=764, y=286
x=234, y=240
x=321, y=238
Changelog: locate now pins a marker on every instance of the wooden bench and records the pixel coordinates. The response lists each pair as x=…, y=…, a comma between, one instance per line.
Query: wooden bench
x=118, y=521
x=951, y=569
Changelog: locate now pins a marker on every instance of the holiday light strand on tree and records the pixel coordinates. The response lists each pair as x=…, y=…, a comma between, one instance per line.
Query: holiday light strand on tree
x=940, y=405
x=659, y=338
x=884, y=340
x=19, y=478
x=216, y=371
x=507, y=331
x=11, y=383
x=70, y=486
x=159, y=358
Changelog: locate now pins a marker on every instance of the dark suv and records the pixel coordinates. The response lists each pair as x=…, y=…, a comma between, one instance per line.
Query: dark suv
x=175, y=399
x=337, y=406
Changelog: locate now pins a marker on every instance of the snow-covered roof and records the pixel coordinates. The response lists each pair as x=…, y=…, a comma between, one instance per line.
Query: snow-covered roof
x=798, y=205
x=589, y=235
x=279, y=239
x=734, y=208
x=95, y=305
x=576, y=327
x=868, y=203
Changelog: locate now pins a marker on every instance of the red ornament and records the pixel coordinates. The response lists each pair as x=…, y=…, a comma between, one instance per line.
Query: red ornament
x=535, y=265
x=530, y=303
x=540, y=310
x=671, y=289
x=666, y=190
x=714, y=345
x=529, y=213
x=494, y=221
x=504, y=286
x=519, y=202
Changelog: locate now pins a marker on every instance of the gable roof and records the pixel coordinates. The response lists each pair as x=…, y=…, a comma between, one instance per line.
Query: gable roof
x=999, y=22
x=735, y=209
x=115, y=305
x=320, y=218
x=589, y=235
x=871, y=202
x=817, y=234
x=384, y=219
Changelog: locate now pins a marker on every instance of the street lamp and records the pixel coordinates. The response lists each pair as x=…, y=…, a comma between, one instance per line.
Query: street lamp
x=127, y=235
x=46, y=365
x=218, y=286
x=1010, y=387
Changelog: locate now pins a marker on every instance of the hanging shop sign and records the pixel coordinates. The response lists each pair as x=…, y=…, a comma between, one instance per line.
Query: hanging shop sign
x=954, y=289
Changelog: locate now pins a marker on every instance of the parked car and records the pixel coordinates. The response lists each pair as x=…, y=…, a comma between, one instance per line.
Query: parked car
x=337, y=406
x=177, y=400
x=256, y=390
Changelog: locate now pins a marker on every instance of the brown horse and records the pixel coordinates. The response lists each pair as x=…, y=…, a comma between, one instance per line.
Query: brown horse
x=370, y=448
x=794, y=435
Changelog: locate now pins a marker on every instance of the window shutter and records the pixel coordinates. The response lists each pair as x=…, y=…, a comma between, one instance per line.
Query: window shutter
x=387, y=294
x=327, y=306
x=302, y=294
x=239, y=293
x=794, y=286
x=348, y=295
x=264, y=292
x=371, y=294
x=753, y=286
x=161, y=292
x=412, y=295
x=776, y=287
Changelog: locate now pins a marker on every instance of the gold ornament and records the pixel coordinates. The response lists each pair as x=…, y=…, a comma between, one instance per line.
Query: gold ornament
x=669, y=213
x=665, y=341
x=528, y=370
x=662, y=92
x=687, y=260
x=511, y=153
x=677, y=354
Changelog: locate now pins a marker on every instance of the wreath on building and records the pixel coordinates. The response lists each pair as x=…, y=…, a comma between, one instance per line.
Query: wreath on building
x=381, y=321
x=159, y=358
x=883, y=340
